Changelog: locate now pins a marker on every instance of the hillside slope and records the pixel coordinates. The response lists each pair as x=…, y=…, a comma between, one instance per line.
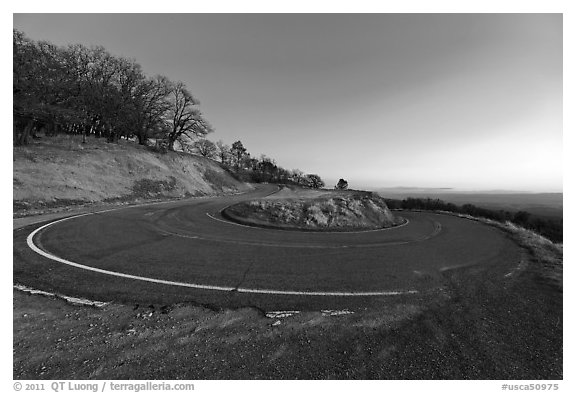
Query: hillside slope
x=62, y=171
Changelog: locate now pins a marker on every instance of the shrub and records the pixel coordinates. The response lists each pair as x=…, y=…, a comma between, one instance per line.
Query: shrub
x=342, y=185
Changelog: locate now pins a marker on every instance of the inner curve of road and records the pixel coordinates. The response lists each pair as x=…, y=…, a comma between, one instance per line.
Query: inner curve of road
x=187, y=244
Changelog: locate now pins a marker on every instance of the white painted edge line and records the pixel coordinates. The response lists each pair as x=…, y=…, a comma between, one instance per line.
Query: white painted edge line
x=521, y=266
x=325, y=313
x=30, y=242
x=336, y=313
x=232, y=223
x=454, y=267
x=281, y=314
x=69, y=299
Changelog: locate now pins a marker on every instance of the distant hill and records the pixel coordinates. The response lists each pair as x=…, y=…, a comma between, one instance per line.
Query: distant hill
x=541, y=204
x=60, y=171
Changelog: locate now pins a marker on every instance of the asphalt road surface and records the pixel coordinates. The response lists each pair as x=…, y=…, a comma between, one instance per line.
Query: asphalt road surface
x=185, y=251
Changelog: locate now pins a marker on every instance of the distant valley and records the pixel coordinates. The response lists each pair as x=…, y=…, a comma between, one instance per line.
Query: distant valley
x=548, y=205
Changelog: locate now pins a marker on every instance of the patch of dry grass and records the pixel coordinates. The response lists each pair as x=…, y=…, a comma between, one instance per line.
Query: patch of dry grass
x=547, y=257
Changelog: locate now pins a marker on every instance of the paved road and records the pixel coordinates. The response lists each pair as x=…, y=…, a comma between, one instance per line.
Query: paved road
x=189, y=243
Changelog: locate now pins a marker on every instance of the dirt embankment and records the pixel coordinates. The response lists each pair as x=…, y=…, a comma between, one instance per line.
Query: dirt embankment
x=321, y=210
x=59, y=172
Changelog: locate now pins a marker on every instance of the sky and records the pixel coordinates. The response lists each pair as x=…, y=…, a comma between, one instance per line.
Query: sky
x=463, y=101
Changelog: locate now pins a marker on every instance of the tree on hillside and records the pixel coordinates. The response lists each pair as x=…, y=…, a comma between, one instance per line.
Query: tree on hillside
x=129, y=80
x=150, y=104
x=223, y=151
x=205, y=148
x=283, y=175
x=101, y=91
x=297, y=176
x=314, y=181
x=341, y=185
x=238, y=152
x=266, y=169
x=183, y=117
x=41, y=87
x=250, y=163
x=521, y=218
x=25, y=99
x=87, y=91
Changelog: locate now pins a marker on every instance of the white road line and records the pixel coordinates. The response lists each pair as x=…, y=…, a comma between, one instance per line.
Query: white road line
x=30, y=242
x=69, y=299
x=232, y=223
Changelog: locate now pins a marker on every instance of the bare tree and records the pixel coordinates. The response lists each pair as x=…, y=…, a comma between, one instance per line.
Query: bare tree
x=151, y=104
x=183, y=117
x=239, y=153
x=90, y=91
x=205, y=148
x=223, y=152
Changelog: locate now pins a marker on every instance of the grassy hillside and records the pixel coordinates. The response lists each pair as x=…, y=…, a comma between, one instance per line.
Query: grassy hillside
x=61, y=171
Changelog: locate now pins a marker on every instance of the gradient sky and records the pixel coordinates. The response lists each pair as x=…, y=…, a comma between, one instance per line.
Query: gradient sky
x=468, y=101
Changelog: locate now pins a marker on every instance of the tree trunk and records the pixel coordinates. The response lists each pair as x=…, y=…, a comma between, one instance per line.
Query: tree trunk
x=23, y=138
x=87, y=132
x=142, y=138
x=111, y=135
x=15, y=132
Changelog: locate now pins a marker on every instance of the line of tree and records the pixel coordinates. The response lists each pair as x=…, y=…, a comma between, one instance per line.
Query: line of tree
x=547, y=227
x=88, y=91
x=243, y=166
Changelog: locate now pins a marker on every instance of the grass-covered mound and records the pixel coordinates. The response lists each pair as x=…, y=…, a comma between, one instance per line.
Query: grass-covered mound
x=337, y=211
